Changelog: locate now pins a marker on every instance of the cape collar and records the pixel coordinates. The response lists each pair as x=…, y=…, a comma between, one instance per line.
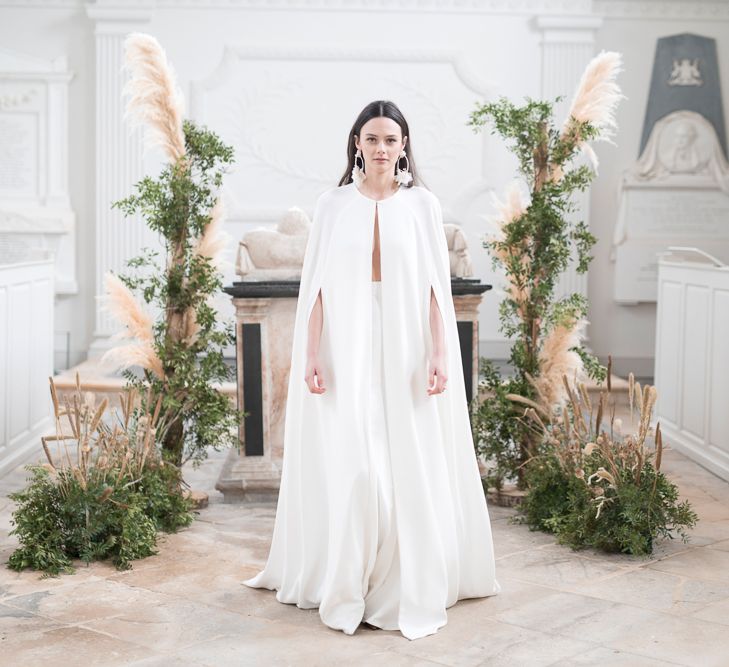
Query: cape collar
x=357, y=191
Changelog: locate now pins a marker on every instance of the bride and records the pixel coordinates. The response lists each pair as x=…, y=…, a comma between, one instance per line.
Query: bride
x=381, y=515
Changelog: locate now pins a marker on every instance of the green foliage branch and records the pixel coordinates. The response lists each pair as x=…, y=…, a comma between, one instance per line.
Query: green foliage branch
x=177, y=204
x=534, y=250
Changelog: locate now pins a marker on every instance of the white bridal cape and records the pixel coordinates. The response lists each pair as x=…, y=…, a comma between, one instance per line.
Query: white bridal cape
x=324, y=549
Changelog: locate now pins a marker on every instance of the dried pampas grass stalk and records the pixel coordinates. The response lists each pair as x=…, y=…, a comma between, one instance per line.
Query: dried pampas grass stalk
x=597, y=95
x=154, y=98
x=213, y=240
x=135, y=354
x=121, y=302
x=123, y=305
x=659, y=446
x=527, y=401
x=594, y=102
x=557, y=359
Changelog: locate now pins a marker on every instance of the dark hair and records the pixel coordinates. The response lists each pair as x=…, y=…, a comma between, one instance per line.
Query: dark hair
x=380, y=109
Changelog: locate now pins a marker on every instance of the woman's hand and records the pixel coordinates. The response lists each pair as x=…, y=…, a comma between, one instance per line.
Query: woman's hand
x=437, y=376
x=313, y=376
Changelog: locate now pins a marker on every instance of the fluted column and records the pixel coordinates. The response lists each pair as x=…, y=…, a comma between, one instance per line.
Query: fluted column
x=568, y=44
x=119, y=150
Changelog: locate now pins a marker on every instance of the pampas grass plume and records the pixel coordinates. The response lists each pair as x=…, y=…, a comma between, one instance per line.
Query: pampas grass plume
x=556, y=360
x=121, y=302
x=596, y=100
x=123, y=305
x=213, y=240
x=154, y=98
x=597, y=94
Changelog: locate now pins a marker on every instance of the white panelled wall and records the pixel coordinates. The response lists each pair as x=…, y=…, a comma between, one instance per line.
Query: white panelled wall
x=692, y=359
x=301, y=72
x=26, y=340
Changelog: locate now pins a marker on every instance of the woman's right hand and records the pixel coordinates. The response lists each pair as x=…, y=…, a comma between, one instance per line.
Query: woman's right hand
x=313, y=376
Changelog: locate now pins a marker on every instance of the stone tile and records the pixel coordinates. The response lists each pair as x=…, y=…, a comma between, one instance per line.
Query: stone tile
x=702, y=563
x=86, y=601
x=556, y=566
x=172, y=624
x=391, y=659
x=577, y=616
x=267, y=607
x=195, y=578
x=721, y=545
x=13, y=584
x=14, y=621
x=168, y=660
x=537, y=651
x=275, y=643
x=498, y=513
x=463, y=642
x=68, y=645
x=685, y=640
x=657, y=590
x=715, y=531
x=608, y=657
x=710, y=510
x=260, y=642
x=717, y=612
x=511, y=539
x=513, y=593
x=625, y=627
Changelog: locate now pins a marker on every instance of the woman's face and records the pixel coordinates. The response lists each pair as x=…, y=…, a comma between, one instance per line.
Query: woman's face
x=380, y=141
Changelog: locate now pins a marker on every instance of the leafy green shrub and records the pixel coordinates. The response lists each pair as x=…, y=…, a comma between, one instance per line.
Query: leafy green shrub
x=549, y=489
x=595, y=488
x=495, y=425
x=107, y=503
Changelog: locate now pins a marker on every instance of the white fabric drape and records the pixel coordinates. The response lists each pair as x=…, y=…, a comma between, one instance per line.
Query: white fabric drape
x=322, y=552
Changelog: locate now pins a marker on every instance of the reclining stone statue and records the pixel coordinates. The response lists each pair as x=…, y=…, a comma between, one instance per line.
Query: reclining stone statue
x=278, y=254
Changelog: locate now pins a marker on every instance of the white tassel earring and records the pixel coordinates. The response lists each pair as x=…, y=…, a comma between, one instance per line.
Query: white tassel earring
x=403, y=176
x=358, y=174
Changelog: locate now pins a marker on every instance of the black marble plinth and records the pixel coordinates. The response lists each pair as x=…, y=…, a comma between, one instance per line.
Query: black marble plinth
x=256, y=289
x=249, y=351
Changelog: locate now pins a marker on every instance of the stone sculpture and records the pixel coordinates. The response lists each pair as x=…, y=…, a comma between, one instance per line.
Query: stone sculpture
x=278, y=254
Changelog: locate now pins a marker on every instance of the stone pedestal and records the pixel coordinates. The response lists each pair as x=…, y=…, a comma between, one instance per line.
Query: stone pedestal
x=265, y=314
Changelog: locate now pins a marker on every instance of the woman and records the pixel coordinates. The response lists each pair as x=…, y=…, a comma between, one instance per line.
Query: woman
x=381, y=515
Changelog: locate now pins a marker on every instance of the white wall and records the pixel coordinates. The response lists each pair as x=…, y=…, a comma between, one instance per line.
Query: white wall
x=46, y=31
x=499, y=40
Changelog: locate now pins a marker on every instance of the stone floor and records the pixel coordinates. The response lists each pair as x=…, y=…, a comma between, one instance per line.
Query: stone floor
x=187, y=605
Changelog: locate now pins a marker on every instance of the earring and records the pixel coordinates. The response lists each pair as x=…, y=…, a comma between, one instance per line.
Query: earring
x=403, y=176
x=358, y=174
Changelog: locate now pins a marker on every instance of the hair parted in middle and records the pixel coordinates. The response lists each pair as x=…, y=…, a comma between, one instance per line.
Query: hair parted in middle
x=380, y=109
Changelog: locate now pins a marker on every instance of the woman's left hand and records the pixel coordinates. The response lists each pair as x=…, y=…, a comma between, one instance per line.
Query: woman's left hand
x=437, y=376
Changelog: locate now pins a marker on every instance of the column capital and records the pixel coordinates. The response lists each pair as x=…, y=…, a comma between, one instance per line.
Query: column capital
x=115, y=17
x=568, y=29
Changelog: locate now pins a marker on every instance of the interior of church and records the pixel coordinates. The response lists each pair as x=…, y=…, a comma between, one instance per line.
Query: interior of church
x=162, y=164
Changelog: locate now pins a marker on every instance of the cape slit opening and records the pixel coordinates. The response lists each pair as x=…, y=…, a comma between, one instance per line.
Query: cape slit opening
x=310, y=308
x=375, y=245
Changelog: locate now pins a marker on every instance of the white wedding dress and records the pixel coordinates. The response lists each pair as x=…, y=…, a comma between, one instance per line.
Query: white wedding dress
x=381, y=515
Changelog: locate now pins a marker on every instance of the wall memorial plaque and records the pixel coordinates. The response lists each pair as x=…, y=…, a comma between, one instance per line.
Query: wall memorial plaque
x=677, y=192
